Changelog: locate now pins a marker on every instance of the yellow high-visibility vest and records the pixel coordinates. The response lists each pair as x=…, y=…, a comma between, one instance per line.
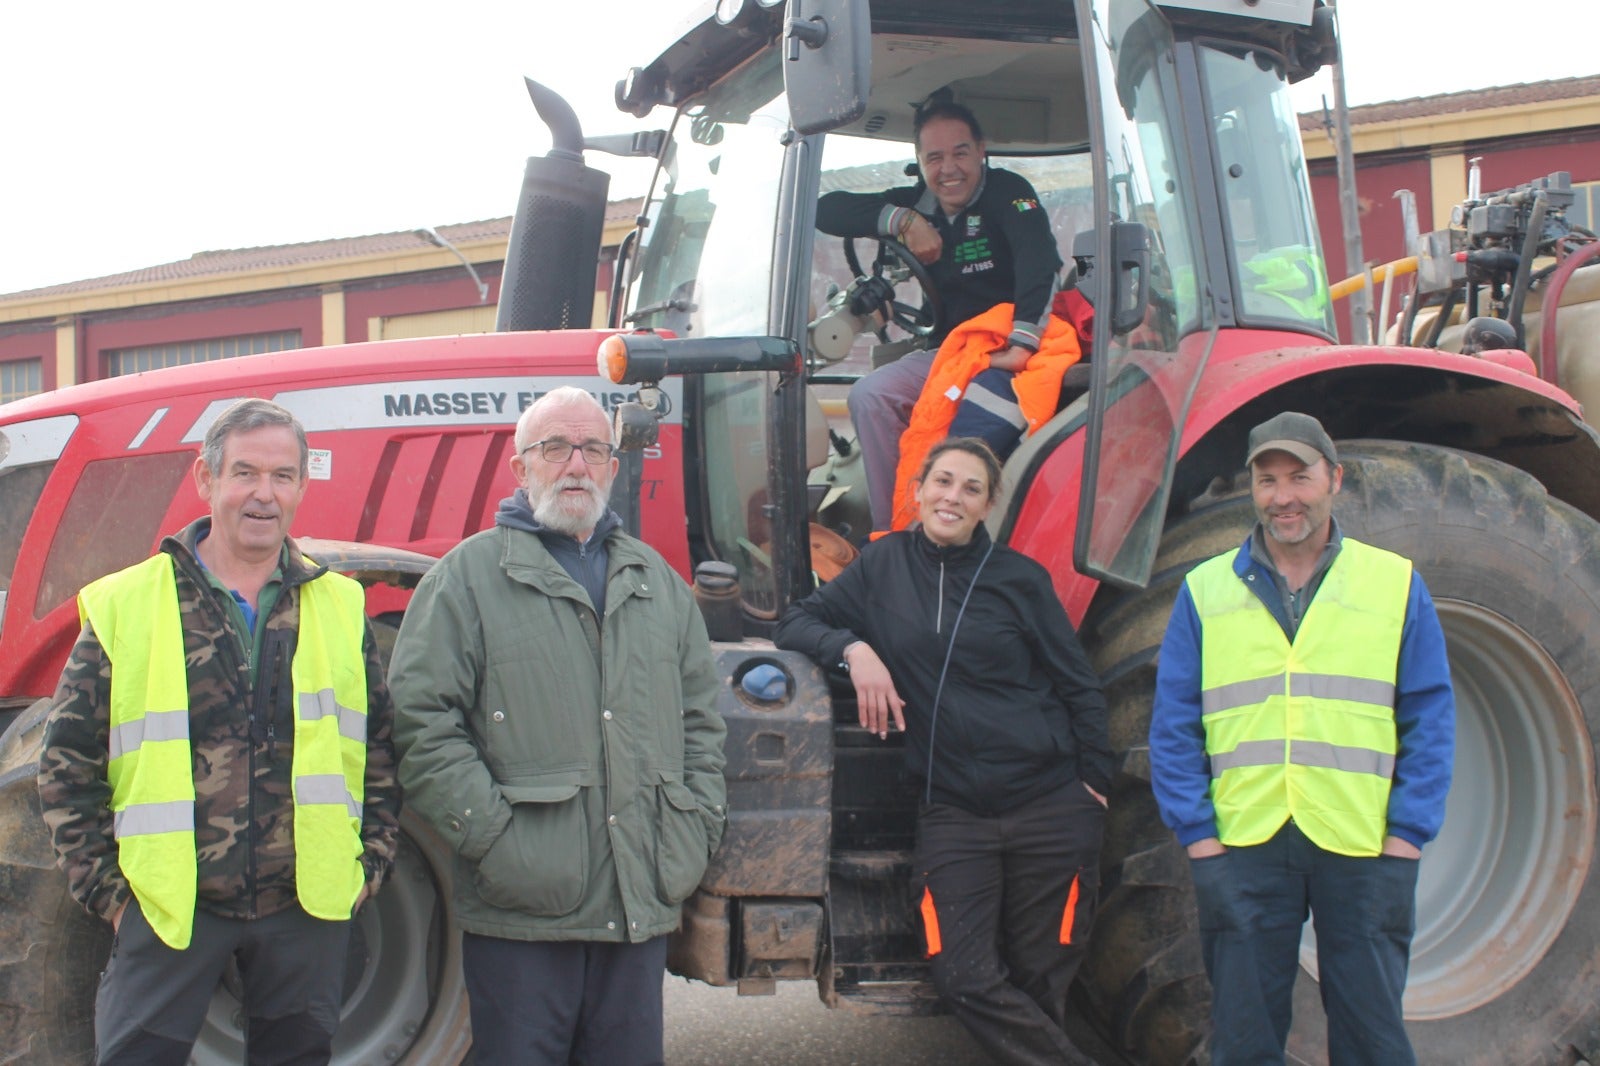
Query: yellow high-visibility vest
x=135, y=617
x=1293, y=274
x=1303, y=729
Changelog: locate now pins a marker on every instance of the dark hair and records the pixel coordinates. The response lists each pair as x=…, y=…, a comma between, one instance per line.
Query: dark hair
x=243, y=417
x=972, y=446
x=944, y=109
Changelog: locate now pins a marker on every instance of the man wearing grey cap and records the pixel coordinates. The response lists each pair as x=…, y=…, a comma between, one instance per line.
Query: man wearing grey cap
x=1300, y=748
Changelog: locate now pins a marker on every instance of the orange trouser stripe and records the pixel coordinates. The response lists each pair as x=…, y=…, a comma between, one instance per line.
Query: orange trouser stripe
x=1070, y=911
x=930, y=922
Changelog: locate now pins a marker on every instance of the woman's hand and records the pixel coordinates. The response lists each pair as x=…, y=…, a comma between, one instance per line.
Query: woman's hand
x=876, y=699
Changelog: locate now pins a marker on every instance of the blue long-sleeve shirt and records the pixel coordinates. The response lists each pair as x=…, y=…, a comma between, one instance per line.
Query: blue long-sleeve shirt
x=1424, y=712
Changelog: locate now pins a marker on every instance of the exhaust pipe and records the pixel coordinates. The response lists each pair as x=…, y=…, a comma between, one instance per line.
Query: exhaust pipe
x=553, y=254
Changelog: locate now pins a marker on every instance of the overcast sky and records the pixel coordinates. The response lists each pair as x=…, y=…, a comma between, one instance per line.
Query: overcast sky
x=138, y=133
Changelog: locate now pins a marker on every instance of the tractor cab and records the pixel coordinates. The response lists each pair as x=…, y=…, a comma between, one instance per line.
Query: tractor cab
x=1160, y=140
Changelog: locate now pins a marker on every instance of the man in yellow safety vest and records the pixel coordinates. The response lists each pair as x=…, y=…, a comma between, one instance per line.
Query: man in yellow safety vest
x=1300, y=747
x=218, y=773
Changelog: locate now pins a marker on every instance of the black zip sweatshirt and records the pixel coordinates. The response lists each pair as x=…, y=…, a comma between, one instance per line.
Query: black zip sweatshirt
x=998, y=248
x=1022, y=712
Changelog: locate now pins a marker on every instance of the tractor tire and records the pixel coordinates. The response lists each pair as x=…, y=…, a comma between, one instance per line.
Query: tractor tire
x=1508, y=916
x=404, y=997
x=51, y=950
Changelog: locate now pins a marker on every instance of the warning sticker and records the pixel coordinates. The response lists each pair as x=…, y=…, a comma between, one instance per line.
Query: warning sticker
x=319, y=464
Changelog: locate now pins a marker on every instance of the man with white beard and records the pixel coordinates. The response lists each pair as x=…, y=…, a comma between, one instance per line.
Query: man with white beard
x=554, y=693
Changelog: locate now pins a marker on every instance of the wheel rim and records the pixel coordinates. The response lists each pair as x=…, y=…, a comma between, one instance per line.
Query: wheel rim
x=1497, y=886
x=394, y=970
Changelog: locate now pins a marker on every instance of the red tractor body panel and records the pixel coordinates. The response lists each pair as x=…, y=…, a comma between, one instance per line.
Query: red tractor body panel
x=410, y=446
x=1242, y=366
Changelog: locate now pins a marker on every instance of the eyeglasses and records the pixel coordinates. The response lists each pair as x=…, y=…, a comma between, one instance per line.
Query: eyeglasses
x=559, y=451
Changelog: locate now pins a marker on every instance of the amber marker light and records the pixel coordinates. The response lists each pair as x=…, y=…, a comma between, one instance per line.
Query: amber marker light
x=613, y=358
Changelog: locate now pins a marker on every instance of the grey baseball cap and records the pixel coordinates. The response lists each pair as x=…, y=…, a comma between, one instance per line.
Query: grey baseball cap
x=1300, y=435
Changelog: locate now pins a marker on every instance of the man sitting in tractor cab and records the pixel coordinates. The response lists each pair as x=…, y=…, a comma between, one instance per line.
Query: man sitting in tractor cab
x=986, y=241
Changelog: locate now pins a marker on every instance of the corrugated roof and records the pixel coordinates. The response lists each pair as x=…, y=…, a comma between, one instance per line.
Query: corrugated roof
x=239, y=260
x=1534, y=92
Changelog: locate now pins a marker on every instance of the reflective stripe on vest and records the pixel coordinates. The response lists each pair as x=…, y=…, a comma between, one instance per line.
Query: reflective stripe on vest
x=330, y=746
x=151, y=766
x=1303, y=730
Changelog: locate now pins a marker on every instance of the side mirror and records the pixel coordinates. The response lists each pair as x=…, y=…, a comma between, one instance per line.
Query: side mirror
x=1130, y=275
x=827, y=69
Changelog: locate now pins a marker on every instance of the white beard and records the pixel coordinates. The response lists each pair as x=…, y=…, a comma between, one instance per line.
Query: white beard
x=553, y=509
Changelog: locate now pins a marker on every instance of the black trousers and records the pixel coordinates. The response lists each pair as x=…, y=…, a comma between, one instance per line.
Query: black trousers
x=564, y=1003
x=153, y=999
x=1007, y=904
x=1253, y=903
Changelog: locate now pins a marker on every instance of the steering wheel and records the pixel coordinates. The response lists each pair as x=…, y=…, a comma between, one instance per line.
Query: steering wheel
x=893, y=263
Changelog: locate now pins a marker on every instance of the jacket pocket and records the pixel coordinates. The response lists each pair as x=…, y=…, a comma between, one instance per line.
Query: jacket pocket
x=540, y=863
x=681, y=841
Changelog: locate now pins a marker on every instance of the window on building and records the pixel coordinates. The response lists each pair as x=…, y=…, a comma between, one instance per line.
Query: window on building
x=155, y=356
x=19, y=378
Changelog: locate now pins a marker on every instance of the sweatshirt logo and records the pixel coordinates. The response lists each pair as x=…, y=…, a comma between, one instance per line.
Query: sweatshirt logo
x=973, y=256
x=974, y=224
x=1025, y=204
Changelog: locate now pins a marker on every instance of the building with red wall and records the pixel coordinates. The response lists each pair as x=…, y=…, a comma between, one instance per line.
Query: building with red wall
x=1517, y=132
x=217, y=304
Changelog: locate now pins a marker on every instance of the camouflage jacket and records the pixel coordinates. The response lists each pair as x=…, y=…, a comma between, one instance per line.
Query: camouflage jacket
x=242, y=740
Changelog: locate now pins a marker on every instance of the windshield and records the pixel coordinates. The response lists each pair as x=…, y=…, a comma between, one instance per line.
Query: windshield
x=1266, y=197
x=1064, y=181
x=1148, y=362
x=704, y=267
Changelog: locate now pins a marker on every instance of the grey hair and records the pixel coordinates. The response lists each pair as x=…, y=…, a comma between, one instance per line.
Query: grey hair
x=562, y=396
x=247, y=415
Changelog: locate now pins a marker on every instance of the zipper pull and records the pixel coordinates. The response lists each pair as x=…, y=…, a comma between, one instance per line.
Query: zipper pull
x=272, y=741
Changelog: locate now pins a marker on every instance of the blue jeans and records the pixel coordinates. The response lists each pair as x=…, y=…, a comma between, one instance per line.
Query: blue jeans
x=1253, y=904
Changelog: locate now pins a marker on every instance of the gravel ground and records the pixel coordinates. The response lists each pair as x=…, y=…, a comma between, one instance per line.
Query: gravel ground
x=717, y=1027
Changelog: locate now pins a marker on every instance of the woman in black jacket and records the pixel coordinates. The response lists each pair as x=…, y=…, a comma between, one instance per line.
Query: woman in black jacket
x=964, y=645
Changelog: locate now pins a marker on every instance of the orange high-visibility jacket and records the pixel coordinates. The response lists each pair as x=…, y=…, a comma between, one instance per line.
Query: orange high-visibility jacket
x=964, y=353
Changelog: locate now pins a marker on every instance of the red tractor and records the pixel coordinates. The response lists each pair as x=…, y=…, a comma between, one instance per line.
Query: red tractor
x=1162, y=142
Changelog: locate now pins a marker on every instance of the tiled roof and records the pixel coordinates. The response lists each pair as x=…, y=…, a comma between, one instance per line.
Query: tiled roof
x=240, y=260
x=1534, y=92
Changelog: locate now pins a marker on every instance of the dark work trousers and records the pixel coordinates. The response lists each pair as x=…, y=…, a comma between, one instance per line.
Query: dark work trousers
x=989, y=411
x=1253, y=905
x=564, y=1002
x=1013, y=896
x=153, y=999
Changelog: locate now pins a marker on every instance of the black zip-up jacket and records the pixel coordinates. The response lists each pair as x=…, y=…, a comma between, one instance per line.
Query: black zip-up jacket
x=997, y=249
x=1022, y=712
